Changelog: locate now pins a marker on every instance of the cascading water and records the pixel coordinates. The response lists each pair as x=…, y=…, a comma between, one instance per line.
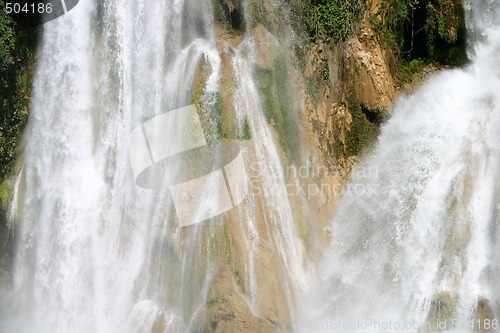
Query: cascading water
x=416, y=245
x=417, y=249
x=95, y=252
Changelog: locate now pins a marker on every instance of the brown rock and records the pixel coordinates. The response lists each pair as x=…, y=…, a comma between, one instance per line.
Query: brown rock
x=228, y=310
x=367, y=67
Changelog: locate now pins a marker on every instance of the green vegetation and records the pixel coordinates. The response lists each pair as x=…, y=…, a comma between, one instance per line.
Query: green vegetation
x=217, y=124
x=275, y=97
x=260, y=14
x=390, y=21
x=216, y=116
x=16, y=60
x=302, y=228
x=215, y=107
x=210, y=107
x=230, y=17
x=220, y=15
x=6, y=194
x=211, y=302
x=318, y=126
x=246, y=132
x=362, y=130
x=423, y=29
x=313, y=89
x=325, y=74
x=7, y=39
x=228, y=259
x=443, y=17
x=407, y=69
x=330, y=20
x=227, y=253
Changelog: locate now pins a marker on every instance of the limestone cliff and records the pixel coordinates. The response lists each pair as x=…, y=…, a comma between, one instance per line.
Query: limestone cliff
x=324, y=102
x=346, y=88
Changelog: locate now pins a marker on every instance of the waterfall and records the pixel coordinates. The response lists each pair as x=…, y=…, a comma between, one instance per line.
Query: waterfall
x=416, y=249
x=153, y=194
x=94, y=251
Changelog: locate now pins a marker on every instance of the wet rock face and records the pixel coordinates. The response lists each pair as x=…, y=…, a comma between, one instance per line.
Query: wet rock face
x=484, y=315
x=330, y=76
x=355, y=89
x=367, y=66
x=3, y=246
x=442, y=309
x=6, y=236
x=233, y=13
x=443, y=313
x=369, y=70
x=227, y=310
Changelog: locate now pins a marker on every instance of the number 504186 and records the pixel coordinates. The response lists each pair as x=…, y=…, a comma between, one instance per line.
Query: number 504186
x=33, y=8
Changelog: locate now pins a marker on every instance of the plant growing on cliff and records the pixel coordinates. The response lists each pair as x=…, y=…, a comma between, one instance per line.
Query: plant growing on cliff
x=430, y=29
x=16, y=58
x=362, y=131
x=276, y=103
x=391, y=18
x=330, y=20
x=260, y=14
x=7, y=40
x=445, y=20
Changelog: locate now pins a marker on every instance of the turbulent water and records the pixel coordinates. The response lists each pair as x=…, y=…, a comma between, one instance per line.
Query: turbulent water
x=419, y=250
x=415, y=249
x=97, y=253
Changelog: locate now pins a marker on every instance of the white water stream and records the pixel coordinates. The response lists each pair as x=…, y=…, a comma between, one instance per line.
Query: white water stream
x=420, y=248
x=94, y=252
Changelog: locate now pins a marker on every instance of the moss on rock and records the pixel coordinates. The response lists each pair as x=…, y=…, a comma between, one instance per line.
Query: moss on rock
x=443, y=307
x=6, y=196
x=16, y=62
x=361, y=131
x=276, y=102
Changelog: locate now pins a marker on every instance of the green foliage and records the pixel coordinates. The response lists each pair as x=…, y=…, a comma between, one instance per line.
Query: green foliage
x=402, y=22
x=211, y=302
x=246, y=132
x=220, y=15
x=215, y=110
x=313, y=89
x=325, y=74
x=230, y=17
x=335, y=20
x=362, y=131
x=260, y=15
x=443, y=17
x=446, y=15
x=16, y=59
x=407, y=69
x=275, y=97
x=420, y=32
x=303, y=229
x=390, y=19
x=227, y=253
x=318, y=126
x=330, y=20
x=7, y=40
x=211, y=114
x=6, y=194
